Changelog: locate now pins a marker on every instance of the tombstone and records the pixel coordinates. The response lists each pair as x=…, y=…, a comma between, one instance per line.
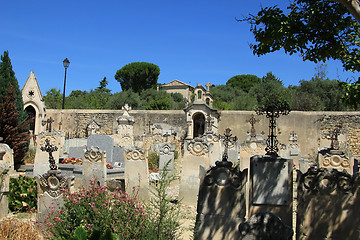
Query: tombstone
x=77, y=152
x=292, y=149
x=125, y=129
x=166, y=157
x=74, y=142
x=328, y=205
x=213, y=140
x=94, y=167
x=195, y=161
x=271, y=186
x=136, y=173
x=51, y=185
x=221, y=203
x=41, y=157
x=265, y=226
x=93, y=127
x=6, y=167
x=104, y=143
x=333, y=157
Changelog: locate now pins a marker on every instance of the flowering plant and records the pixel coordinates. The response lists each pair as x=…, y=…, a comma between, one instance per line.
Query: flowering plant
x=72, y=161
x=97, y=211
x=108, y=166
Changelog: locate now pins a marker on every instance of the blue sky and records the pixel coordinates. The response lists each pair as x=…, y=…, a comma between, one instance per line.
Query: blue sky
x=192, y=41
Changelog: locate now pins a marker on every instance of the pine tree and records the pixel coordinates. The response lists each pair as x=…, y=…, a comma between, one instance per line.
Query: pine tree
x=14, y=133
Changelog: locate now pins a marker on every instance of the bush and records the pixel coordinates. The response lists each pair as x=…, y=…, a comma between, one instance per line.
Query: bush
x=15, y=229
x=153, y=160
x=98, y=212
x=22, y=194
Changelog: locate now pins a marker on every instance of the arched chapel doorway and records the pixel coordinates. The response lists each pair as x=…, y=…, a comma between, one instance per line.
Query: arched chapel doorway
x=31, y=114
x=199, y=124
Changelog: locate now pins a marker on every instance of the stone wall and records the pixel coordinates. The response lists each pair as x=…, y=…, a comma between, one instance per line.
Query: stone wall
x=309, y=126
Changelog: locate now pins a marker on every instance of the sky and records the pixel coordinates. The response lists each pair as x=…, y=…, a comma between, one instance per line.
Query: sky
x=193, y=41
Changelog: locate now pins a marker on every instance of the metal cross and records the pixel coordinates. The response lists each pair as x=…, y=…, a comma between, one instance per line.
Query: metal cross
x=227, y=139
x=334, y=139
x=252, y=122
x=50, y=149
x=48, y=123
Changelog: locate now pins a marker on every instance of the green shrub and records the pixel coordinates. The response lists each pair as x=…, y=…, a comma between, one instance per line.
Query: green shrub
x=98, y=211
x=153, y=160
x=22, y=194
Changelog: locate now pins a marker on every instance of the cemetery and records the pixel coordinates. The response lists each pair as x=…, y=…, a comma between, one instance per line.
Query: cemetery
x=269, y=174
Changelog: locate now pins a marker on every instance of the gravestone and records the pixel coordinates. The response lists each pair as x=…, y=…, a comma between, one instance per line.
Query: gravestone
x=51, y=185
x=136, y=173
x=221, y=203
x=77, y=152
x=6, y=167
x=271, y=186
x=328, y=205
x=166, y=156
x=195, y=161
x=264, y=226
x=41, y=164
x=104, y=143
x=94, y=167
x=74, y=142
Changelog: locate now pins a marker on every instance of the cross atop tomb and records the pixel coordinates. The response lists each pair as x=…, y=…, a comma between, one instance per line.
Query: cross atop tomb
x=49, y=148
x=48, y=123
x=208, y=85
x=126, y=109
x=227, y=140
x=334, y=138
x=252, y=122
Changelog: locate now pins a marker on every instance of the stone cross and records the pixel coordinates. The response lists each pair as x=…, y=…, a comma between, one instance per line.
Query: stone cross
x=48, y=123
x=227, y=137
x=252, y=122
x=50, y=149
x=126, y=109
x=208, y=85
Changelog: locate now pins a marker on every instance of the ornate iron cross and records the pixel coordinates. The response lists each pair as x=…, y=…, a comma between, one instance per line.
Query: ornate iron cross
x=334, y=138
x=48, y=123
x=227, y=139
x=252, y=122
x=273, y=108
x=50, y=149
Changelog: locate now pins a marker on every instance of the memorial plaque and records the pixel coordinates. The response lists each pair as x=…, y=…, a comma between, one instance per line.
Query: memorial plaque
x=270, y=177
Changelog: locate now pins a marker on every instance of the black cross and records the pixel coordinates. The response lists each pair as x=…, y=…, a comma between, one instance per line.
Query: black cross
x=227, y=139
x=252, y=122
x=50, y=149
x=48, y=123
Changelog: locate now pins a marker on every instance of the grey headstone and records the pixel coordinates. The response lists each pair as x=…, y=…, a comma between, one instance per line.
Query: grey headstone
x=270, y=176
x=118, y=157
x=166, y=157
x=77, y=152
x=104, y=143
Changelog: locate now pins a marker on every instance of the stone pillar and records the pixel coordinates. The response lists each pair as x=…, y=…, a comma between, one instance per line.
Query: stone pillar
x=136, y=173
x=221, y=205
x=94, y=167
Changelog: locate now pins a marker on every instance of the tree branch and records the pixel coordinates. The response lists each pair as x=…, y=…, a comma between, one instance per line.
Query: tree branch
x=352, y=6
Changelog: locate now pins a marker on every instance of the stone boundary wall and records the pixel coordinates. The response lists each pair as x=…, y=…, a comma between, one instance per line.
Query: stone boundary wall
x=309, y=126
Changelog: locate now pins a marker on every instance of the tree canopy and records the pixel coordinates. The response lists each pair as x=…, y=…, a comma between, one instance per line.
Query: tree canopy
x=317, y=30
x=138, y=76
x=244, y=81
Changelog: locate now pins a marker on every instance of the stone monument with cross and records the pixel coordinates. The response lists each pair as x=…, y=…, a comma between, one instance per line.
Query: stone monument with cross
x=124, y=136
x=333, y=157
x=51, y=184
x=56, y=139
x=270, y=185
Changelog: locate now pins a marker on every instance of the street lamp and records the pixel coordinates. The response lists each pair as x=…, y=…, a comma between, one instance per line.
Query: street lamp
x=66, y=63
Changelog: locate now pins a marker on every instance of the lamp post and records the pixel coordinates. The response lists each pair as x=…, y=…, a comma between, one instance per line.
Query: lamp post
x=66, y=63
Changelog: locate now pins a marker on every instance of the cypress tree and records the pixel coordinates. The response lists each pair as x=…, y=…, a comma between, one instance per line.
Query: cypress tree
x=13, y=123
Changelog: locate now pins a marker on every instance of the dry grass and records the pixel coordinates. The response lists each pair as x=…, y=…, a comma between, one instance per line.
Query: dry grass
x=12, y=228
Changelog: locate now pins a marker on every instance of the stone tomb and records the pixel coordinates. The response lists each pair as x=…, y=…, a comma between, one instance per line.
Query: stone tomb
x=221, y=203
x=6, y=167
